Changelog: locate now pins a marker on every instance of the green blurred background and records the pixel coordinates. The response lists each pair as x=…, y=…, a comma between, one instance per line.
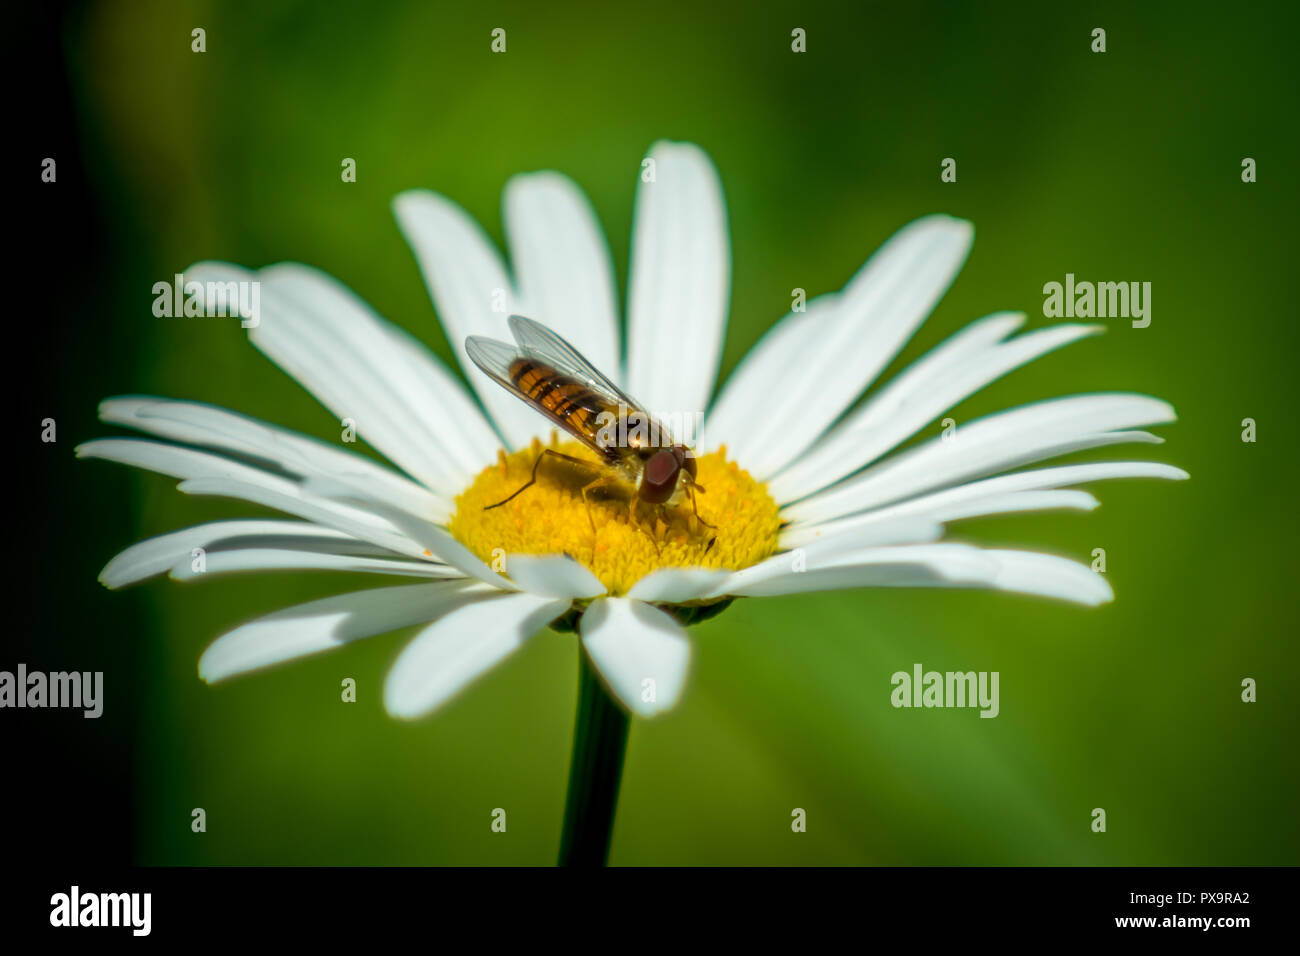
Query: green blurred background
x=1119, y=166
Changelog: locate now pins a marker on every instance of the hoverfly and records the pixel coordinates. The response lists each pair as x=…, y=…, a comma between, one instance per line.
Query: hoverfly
x=550, y=375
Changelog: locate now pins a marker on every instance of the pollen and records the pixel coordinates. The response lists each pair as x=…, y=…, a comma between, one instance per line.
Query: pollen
x=619, y=537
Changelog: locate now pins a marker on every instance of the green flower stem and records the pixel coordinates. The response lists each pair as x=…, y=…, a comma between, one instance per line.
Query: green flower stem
x=599, y=742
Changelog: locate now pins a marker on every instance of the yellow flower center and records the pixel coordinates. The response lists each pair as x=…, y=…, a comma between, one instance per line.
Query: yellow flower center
x=620, y=538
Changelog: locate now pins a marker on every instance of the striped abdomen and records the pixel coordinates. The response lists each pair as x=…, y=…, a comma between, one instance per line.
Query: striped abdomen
x=570, y=403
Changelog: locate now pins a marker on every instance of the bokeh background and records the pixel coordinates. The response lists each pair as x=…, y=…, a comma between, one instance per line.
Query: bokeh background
x=1117, y=166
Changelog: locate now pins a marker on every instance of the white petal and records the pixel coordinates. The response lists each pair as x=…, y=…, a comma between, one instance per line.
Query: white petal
x=552, y=576
x=1050, y=576
x=987, y=497
x=943, y=565
x=473, y=295
x=363, y=518
x=205, y=473
x=291, y=559
x=1020, y=491
x=874, y=317
x=864, y=529
x=199, y=424
x=950, y=355
x=151, y=557
x=461, y=425
x=1017, y=502
x=677, y=585
x=735, y=419
x=562, y=266
x=400, y=397
x=908, y=404
x=291, y=499
x=460, y=647
x=679, y=283
x=325, y=624
x=639, y=651
x=922, y=565
x=425, y=537
x=437, y=541
x=864, y=534
x=989, y=445
x=1023, y=491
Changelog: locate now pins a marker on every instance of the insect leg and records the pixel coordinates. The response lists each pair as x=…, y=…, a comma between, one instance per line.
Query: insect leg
x=661, y=515
x=633, y=523
x=691, y=487
x=598, y=483
x=531, y=481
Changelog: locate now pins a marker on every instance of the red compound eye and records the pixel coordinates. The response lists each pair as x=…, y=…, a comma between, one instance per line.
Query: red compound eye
x=659, y=479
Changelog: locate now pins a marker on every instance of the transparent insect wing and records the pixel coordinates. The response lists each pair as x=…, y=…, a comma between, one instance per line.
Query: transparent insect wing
x=545, y=345
x=495, y=358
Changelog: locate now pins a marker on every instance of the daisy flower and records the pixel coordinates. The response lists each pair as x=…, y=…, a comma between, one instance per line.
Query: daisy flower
x=805, y=487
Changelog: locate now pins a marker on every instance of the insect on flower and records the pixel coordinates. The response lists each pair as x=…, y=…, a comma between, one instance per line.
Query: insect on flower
x=550, y=375
x=811, y=487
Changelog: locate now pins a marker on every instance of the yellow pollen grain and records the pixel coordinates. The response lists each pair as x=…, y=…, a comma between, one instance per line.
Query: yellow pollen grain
x=627, y=544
